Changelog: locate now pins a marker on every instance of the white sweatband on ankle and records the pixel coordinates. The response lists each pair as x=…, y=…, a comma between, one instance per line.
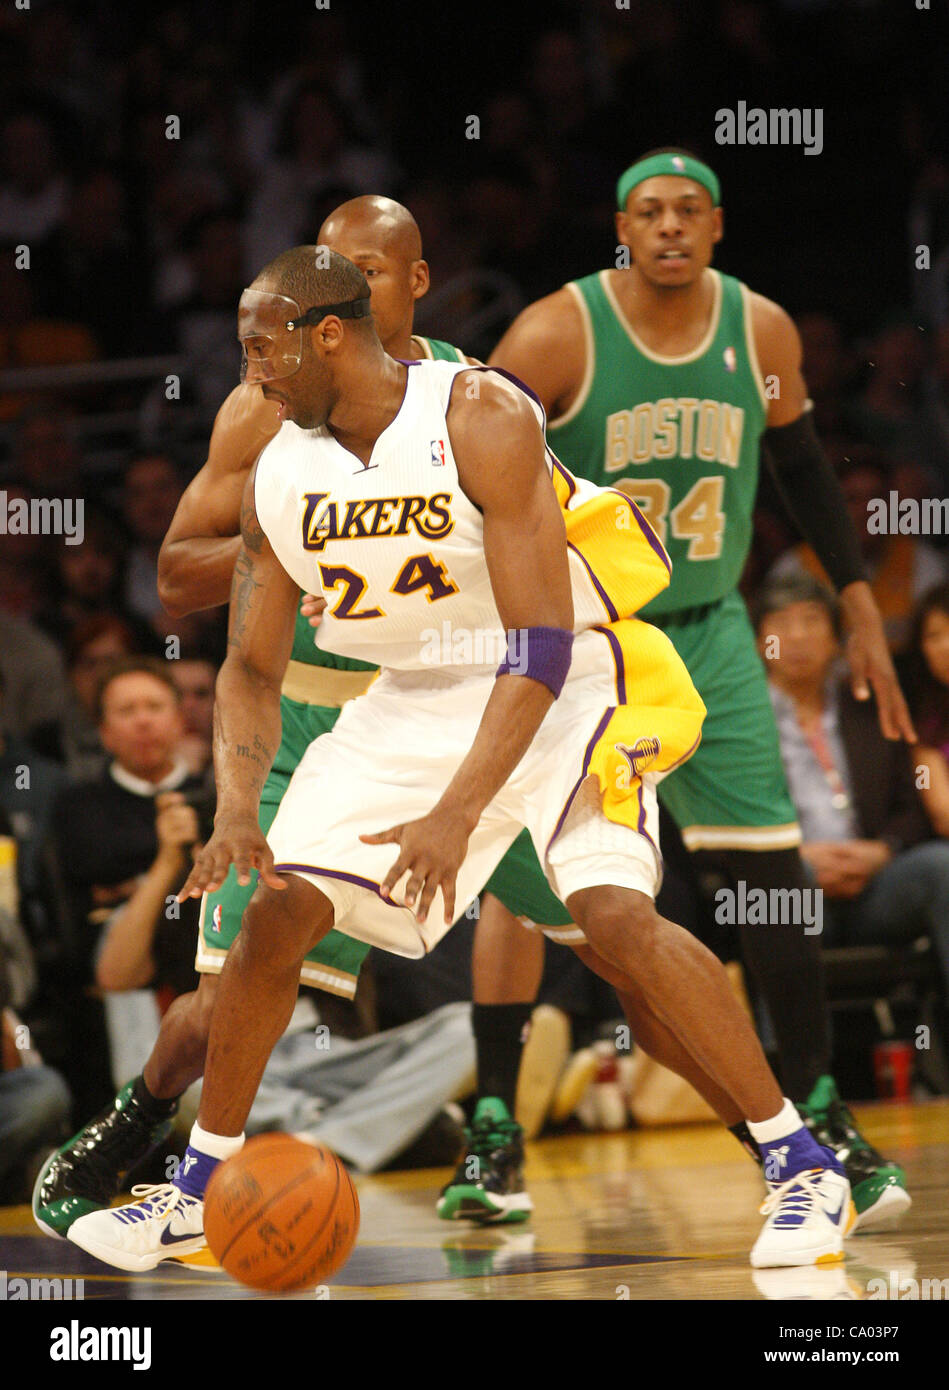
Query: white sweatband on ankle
x=786, y=1121
x=215, y=1145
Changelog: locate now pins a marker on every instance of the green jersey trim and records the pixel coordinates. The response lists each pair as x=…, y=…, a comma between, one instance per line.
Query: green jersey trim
x=436, y=350
x=589, y=352
x=752, y=350
x=641, y=347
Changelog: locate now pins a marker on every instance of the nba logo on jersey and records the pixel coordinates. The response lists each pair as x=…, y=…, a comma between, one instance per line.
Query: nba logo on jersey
x=438, y=453
x=731, y=360
x=216, y=918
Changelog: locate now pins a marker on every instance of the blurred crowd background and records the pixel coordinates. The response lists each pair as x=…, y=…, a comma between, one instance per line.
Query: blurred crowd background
x=152, y=159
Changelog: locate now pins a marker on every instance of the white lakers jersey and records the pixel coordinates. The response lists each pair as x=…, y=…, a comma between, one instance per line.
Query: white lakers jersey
x=396, y=547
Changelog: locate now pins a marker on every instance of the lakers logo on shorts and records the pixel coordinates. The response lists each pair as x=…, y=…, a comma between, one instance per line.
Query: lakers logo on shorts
x=643, y=754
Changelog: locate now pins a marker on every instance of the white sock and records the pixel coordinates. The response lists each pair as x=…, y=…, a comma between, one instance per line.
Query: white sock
x=215, y=1145
x=786, y=1121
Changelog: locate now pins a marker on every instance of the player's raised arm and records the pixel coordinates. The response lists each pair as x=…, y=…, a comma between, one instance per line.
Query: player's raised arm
x=816, y=502
x=499, y=449
x=197, y=557
x=545, y=348
x=247, y=708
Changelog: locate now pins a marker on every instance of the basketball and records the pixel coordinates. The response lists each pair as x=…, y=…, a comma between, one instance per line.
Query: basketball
x=281, y=1215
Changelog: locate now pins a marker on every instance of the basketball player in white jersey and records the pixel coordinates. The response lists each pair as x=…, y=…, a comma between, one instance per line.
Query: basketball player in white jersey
x=397, y=490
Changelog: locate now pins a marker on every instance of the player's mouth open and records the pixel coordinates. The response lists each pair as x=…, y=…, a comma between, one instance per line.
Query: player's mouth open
x=675, y=256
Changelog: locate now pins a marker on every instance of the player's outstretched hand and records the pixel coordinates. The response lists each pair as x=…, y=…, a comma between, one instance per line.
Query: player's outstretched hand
x=238, y=841
x=871, y=665
x=313, y=607
x=432, y=850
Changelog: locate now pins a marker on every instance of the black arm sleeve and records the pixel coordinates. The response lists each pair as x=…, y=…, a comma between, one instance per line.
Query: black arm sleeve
x=814, y=498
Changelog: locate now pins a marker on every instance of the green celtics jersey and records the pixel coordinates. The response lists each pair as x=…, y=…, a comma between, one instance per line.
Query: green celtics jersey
x=680, y=435
x=304, y=646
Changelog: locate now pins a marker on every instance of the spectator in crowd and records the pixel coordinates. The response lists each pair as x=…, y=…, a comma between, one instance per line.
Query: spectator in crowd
x=900, y=568
x=887, y=414
x=34, y=684
x=96, y=269
x=23, y=556
x=150, y=493
x=87, y=581
x=93, y=645
x=195, y=676
x=316, y=148
x=104, y=835
x=205, y=333
x=34, y=1101
x=937, y=410
x=927, y=686
x=145, y=956
x=29, y=785
x=46, y=449
x=33, y=189
x=828, y=368
x=866, y=836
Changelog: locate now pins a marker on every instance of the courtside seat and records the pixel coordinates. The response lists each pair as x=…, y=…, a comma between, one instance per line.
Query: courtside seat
x=894, y=981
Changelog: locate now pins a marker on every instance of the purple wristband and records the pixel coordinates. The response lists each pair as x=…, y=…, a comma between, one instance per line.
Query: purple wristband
x=543, y=653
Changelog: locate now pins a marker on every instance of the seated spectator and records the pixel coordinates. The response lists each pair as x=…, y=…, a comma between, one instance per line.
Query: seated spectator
x=46, y=449
x=34, y=685
x=104, y=838
x=937, y=409
x=888, y=413
x=195, y=677
x=900, y=568
x=93, y=645
x=32, y=186
x=315, y=148
x=34, y=1101
x=927, y=688
x=151, y=492
x=146, y=952
x=24, y=556
x=827, y=365
x=96, y=267
x=29, y=785
x=86, y=582
x=864, y=828
x=205, y=320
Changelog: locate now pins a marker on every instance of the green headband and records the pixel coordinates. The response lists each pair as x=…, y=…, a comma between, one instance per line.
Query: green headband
x=682, y=165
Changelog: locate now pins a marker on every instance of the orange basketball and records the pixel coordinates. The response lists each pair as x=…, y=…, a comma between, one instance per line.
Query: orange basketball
x=281, y=1215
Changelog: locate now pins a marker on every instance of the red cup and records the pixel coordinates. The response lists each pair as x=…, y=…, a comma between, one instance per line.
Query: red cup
x=893, y=1070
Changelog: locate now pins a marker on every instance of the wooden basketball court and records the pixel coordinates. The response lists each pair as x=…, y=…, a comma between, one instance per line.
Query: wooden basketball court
x=659, y=1215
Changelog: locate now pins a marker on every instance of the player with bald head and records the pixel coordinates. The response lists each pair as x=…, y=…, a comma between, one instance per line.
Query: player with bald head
x=381, y=238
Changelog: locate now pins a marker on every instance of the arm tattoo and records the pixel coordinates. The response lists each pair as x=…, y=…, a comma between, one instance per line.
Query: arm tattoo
x=242, y=592
x=251, y=529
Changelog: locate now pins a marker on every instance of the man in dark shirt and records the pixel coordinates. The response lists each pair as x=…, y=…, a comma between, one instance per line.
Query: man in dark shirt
x=104, y=838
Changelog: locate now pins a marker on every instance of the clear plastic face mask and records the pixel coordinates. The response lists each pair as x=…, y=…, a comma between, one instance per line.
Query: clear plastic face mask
x=271, y=347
